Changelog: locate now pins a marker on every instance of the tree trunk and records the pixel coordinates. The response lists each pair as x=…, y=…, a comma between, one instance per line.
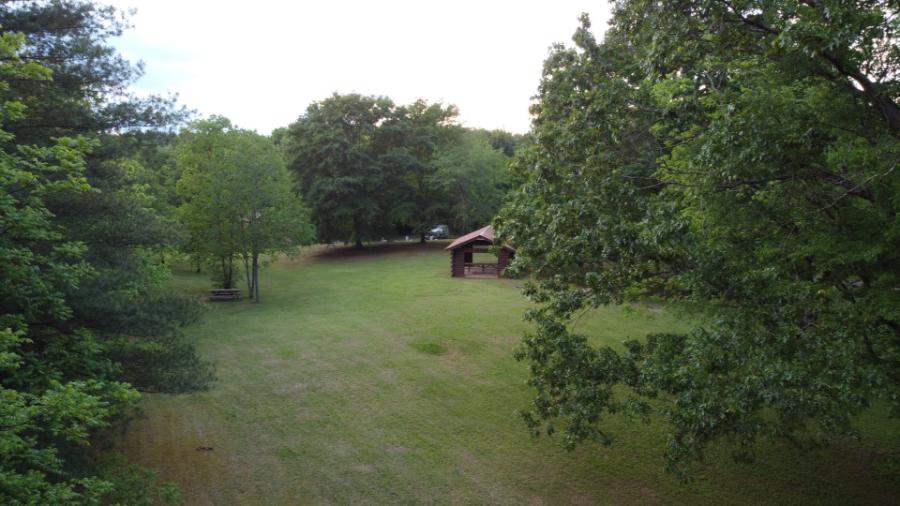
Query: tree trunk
x=255, y=288
x=422, y=238
x=248, y=274
x=357, y=232
x=229, y=276
x=254, y=252
x=224, y=273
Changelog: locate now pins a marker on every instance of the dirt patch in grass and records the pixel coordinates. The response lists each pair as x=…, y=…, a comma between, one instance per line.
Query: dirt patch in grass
x=291, y=388
x=185, y=449
x=388, y=376
x=459, y=364
x=395, y=450
x=362, y=468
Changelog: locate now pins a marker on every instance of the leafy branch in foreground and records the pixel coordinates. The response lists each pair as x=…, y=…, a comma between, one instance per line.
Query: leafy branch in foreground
x=738, y=160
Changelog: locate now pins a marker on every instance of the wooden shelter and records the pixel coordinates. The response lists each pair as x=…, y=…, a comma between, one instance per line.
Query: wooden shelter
x=462, y=252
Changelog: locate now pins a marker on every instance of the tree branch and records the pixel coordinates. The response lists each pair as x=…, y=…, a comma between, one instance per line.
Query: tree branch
x=886, y=106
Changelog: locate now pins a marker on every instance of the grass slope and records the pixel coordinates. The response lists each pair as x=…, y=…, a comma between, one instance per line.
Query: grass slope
x=378, y=379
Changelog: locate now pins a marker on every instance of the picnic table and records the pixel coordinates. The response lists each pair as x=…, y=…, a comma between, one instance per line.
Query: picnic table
x=224, y=294
x=484, y=266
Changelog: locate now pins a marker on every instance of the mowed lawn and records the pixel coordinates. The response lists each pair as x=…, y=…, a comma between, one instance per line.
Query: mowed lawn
x=377, y=379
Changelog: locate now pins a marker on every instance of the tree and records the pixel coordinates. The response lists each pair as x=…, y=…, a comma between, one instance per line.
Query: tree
x=57, y=386
x=238, y=202
x=504, y=141
x=81, y=309
x=206, y=157
x=120, y=221
x=368, y=167
x=89, y=92
x=738, y=160
x=409, y=142
x=333, y=153
x=469, y=180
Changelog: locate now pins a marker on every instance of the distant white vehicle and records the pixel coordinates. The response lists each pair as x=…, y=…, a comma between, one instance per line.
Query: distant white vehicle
x=438, y=232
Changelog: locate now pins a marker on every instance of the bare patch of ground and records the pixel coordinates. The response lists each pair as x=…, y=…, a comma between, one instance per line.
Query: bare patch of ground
x=167, y=440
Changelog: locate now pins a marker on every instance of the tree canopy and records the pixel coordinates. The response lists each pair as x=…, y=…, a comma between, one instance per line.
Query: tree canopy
x=369, y=168
x=333, y=150
x=738, y=160
x=469, y=181
x=238, y=202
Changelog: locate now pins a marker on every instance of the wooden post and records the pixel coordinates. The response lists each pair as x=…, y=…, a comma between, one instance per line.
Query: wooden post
x=503, y=261
x=457, y=264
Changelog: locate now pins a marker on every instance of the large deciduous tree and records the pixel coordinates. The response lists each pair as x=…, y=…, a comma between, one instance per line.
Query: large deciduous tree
x=333, y=151
x=238, y=201
x=738, y=158
x=408, y=143
x=369, y=168
x=469, y=180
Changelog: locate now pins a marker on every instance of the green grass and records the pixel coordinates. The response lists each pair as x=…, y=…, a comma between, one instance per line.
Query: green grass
x=430, y=348
x=378, y=379
x=484, y=258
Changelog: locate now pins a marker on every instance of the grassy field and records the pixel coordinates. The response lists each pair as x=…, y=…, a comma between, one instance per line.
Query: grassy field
x=378, y=379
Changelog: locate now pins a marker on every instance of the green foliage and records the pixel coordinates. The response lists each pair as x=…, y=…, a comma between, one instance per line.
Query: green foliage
x=50, y=400
x=407, y=143
x=154, y=356
x=471, y=180
x=716, y=154
x=333, y=152
x=136, y=486
x=237, y=199
x=89, y=90
x=78, y=233
x=503, y=141
x=370, y=168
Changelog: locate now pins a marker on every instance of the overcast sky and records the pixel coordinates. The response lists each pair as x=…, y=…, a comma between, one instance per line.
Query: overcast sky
x=261, y=63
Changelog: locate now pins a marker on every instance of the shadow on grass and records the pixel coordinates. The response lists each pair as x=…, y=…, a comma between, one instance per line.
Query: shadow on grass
x=375, y=249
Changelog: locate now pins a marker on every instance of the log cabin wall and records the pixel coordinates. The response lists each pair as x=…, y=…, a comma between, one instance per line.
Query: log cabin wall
x=457, y=263
x=502, y=261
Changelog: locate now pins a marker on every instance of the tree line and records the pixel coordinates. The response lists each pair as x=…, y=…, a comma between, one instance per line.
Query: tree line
x=351, y=169
x=369, y=168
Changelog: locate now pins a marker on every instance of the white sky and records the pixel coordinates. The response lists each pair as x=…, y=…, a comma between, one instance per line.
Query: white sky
x=261, y=63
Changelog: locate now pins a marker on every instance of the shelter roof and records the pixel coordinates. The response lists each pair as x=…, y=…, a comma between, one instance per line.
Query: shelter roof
x=483, y=234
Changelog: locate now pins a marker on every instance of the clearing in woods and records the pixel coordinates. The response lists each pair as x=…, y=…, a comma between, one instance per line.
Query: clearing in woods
x=376, y=378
